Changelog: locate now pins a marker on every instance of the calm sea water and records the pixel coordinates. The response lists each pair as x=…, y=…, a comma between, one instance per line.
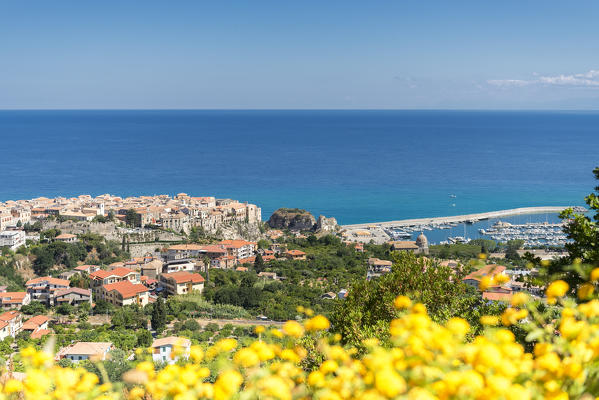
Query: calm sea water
x=358, y=166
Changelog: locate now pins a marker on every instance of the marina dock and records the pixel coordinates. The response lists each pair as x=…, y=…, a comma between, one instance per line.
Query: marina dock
x=464, y=218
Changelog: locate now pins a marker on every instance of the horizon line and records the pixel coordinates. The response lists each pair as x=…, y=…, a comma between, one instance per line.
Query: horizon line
x=308, y=109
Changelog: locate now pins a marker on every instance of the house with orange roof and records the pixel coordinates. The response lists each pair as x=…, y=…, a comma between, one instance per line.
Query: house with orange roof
x=249, y=260
x=37, y=323
x=40, y=333
x=490, y=270
x=4, y=330
x=101, y=277
x=294, y=255
x=182, y=282
x=163, y=349
x=183, y=251
x=87, y=269
x=14, y=319
x=66, y=238
x=224, y=262
x=42, y=289
x=80, y=351
x=503, y=296
x=124, y=293
x=239, y=249
x=14, y=299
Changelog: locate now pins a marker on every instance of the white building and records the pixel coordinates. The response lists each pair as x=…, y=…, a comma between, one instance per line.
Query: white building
x=12, y=239
x=163, y=349
x=85, y=350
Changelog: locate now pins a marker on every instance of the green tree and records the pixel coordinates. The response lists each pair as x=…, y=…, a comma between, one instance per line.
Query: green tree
x=259, y=263
x=159, y=315
x=584, y=230
x=144, y=338
x=132, y=218
x=368, y=308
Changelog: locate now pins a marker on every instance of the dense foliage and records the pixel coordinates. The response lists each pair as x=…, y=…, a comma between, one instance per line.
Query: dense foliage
x=368, y=309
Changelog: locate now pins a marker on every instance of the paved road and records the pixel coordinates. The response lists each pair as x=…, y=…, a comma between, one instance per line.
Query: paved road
x=238, y=322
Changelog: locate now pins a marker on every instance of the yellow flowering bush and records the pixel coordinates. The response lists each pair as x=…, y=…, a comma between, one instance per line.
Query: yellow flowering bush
x=425, y=360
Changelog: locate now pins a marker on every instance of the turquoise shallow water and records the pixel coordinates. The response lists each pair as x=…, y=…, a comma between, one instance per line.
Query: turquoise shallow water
x=358, y=166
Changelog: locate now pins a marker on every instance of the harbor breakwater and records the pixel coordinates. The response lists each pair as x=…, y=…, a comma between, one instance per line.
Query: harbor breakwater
x=466, y=218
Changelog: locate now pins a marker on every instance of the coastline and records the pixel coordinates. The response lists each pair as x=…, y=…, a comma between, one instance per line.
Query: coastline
x=462, y=218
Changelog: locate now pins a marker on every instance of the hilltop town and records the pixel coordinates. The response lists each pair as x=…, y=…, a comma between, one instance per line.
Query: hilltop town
x=155, y=269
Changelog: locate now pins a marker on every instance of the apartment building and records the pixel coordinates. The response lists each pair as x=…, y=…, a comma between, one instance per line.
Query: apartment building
x=44, y=288
x=182, y=282
x=124, y=293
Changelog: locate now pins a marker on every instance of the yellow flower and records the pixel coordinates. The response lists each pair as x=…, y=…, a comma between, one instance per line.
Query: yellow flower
x=557, y=288
x=585, y=291
x=316, y=378
x=293, y=328
x=196, y=353
x=246, y=358
x=318, y=323
x=500, y=279
x=402, y=302
x=595, y=275
x=458, y=326
x=12, y=386
x=389, y=383
x=227, y=344
x=485, y=282
x=490, y=320
x=259, y=329
x=518, y=299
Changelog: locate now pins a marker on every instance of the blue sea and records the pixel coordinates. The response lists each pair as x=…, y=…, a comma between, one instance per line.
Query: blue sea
x=358, y=166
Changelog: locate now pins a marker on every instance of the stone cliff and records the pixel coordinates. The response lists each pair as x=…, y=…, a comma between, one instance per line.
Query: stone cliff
x=293, y=219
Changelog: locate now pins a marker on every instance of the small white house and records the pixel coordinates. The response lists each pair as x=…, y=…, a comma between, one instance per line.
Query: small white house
x=163, y=349
x=85, y=350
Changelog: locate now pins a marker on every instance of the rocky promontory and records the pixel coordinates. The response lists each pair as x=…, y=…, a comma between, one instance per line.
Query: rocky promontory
x=293, y=219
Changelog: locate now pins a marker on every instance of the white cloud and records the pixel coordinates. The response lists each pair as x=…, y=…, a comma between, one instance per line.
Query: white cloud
x=586, y=79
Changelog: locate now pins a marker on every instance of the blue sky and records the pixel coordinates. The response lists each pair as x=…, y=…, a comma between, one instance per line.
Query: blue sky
x=308, y=54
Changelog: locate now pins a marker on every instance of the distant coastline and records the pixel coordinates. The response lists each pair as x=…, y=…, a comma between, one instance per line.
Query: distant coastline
x=467, y=217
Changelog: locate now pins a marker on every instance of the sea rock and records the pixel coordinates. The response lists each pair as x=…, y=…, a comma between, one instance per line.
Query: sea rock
x=293, y=219
x=325, y=224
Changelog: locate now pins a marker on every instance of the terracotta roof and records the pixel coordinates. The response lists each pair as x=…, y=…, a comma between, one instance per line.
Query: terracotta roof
x=39, y=333
x=171, y=341
x=3, y=324
x=404, y=245
x=12, y=297
x=85, y=267
x=48, y=280
x=118, y=271
x=235, y=243
x=490, y=270
x=100, y=274
x=496, y=296
x=184, y=247
x=126, y=288
x=295, y=253
x=211, y=248
x=121, y=271
x=9, y=315
x=65, y=236
x=34, y=322
x=184, y=277
x=376, y=261
x=62, y=292
x=86, y=348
